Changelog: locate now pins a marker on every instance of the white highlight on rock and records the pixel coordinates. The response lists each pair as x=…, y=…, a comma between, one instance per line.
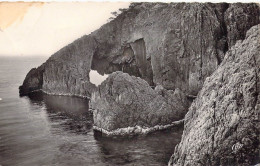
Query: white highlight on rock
x=137, y=129
x=64, y=94
x=96, y=78
x=0, y=99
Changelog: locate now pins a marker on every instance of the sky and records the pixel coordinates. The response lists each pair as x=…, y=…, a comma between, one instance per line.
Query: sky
x=41, y=29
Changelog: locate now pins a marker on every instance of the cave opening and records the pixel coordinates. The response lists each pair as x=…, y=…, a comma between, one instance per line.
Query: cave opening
x=132, y=60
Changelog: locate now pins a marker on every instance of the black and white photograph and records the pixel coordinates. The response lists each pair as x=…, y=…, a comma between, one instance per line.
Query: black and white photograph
x=129, y=83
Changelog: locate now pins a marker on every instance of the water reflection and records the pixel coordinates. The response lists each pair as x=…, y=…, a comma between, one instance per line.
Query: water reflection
x=153, y=149
x=72, y=111
x=59, y=132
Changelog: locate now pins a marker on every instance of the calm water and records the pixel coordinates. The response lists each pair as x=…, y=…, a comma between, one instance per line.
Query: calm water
x=55, y=130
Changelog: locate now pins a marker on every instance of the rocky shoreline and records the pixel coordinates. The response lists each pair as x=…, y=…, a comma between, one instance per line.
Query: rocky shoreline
x=138, y=130
x=202, y=59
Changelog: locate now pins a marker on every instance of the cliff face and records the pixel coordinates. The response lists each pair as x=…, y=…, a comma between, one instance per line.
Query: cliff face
x=222, y=125
x=176, y=45
x=235, y=17
x=67, y=71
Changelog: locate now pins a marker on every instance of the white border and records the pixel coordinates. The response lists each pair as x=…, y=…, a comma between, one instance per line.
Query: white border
x=167, y=1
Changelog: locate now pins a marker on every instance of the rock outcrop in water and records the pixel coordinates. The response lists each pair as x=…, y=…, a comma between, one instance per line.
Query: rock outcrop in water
x=222, y=125
x=124, y=101
x=176, y=45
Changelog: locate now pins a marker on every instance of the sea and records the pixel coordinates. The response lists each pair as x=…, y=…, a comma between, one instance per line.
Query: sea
x=45, y=130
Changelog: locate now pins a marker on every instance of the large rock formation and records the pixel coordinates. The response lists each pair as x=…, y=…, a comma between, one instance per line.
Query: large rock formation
x=176, y=45
x=222, y=125
x=123, y=101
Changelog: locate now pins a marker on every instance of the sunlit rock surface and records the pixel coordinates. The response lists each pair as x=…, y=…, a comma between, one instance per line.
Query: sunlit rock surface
x=123, y=101
x=176, y=45
x=222, y=125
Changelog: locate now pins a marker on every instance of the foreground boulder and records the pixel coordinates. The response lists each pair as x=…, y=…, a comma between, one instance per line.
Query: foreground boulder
x=222, y=125
x=126, y=104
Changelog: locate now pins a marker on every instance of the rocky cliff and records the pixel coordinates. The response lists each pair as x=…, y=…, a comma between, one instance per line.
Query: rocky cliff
x=222, y=125
x=176, y=45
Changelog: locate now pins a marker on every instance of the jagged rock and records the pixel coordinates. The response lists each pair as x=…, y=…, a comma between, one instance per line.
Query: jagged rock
x=176, y=45
x=123, y=101
x=222, y=125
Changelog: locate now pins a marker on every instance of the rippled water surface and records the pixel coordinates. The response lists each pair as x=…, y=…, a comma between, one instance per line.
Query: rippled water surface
x=57, y=130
